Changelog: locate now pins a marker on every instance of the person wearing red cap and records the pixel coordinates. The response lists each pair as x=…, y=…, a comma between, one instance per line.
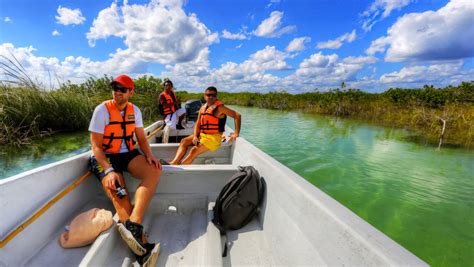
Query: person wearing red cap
x=113, y=127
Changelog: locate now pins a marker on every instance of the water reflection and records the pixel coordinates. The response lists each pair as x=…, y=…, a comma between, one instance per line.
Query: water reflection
x=41, y=152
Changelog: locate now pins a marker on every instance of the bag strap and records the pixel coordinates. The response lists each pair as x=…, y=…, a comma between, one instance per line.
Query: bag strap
x=224, y=251
x=247, y=170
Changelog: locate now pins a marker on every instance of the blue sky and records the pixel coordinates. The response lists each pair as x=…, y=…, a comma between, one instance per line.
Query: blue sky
x=261, y=46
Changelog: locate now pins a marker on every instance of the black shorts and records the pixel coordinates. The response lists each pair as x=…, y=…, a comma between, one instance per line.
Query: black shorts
x=118, y=161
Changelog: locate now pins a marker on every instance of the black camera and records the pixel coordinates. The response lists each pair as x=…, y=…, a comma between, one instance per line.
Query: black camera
x=121, y=192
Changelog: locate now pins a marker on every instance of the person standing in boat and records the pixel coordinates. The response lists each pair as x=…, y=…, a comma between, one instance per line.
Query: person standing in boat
x=113, y=125
x=210, y=126
x=170, y=107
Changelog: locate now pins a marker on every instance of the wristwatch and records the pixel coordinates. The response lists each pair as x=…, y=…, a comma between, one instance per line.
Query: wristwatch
x=110, y=169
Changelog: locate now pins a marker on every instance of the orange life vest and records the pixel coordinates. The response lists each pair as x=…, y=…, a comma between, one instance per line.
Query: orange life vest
x=119, y=128
x=210, y=124
x=169, y=100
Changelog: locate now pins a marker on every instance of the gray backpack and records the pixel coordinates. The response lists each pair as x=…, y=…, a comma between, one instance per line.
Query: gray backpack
x=239, y=201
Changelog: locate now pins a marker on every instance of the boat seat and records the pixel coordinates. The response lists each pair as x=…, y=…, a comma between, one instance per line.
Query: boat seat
x=220, y=156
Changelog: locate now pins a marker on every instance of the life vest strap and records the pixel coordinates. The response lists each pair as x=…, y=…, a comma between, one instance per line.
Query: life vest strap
x=118, y=137
x=121, y=122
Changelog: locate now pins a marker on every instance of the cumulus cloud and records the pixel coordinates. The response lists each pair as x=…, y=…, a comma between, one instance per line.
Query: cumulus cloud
x=7, y=19
x=337, y=43
x=445, y=34
x=156, y=32
x=254, y=74
x=55, y=33
x=272, y=3
x=257, y=72
x=271, y=27
x=199, y=67
x=329, y=69
x=233, y=36
x=379, y=10
x=298, y=44
x=251, y=74
x=76, y=69
x=422, y=73
x=68, y=16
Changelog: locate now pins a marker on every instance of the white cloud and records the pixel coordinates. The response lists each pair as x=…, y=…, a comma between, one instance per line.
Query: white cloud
x=7, y=19
x=108, y=23
x=272, y=3
x=254, y=74
x=238, y=46
x=439, y=74
x=445, y=34
x=76, y=69
x=423, y=73
x=156, y=32
x=251, y=74
x=317, y=71
x=337, y=43
x=56, y=33
x=329, y=69
x=379, y=10
x=297, y=44
x=233, y=36
x=271, y=27
x=199, y=67
x=68, y=16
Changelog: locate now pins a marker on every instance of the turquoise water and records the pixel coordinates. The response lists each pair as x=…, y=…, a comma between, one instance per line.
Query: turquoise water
x=420, y=197
x=41, y=152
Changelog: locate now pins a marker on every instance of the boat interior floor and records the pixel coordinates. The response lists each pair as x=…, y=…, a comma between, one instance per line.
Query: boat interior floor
x=181, y=224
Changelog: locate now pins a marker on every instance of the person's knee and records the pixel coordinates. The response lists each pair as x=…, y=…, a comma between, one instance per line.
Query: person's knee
x=154, y=175
x=186, y=142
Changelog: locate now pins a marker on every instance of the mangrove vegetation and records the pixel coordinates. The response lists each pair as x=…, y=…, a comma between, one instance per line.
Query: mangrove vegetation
x=440, y=116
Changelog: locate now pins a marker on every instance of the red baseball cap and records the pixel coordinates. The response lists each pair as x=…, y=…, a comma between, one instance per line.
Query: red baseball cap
x=124, y=81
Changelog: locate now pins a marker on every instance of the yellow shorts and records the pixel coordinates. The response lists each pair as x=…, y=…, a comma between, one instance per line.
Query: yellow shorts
x=211, y=141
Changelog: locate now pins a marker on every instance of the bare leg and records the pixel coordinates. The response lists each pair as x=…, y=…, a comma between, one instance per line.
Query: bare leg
x=183, y=146
x=122, y=206
x=193, y=153
x=150, y=176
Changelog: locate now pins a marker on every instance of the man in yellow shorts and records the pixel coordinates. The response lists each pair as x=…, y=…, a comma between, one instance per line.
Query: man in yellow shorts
x=209, y=128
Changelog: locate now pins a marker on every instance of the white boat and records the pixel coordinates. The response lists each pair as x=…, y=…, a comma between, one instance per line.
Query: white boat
x=299, y=225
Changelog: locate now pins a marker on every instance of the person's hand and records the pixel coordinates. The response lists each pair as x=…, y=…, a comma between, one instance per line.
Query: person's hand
x=233, y=136
x=195, y=141
x=153, y=161
x=110, y=180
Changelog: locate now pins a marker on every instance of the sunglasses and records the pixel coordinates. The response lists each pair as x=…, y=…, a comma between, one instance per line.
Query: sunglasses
x=119, y=88
x=210, y=95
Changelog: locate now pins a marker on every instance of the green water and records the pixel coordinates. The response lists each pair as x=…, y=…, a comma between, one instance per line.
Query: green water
x=420, y=197
x=41, y=152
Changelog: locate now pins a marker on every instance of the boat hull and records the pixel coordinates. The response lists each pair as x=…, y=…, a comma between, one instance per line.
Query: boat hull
x=298, y=224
